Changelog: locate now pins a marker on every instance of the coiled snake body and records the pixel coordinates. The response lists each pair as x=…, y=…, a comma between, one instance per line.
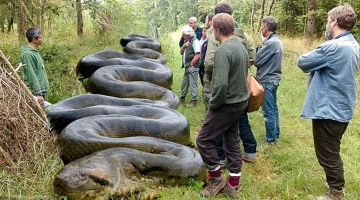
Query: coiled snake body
x=134, y=140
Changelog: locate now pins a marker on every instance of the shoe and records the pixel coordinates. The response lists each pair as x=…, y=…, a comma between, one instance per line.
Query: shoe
x=333, y=194
x=192, y=103
x=230, y=191
x=214, y=186
x=267, y=143
x=182, y=100
x=246, y=159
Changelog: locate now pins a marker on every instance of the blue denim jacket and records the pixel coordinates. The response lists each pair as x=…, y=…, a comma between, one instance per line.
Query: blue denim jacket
x=268, y=60
x=332, y=90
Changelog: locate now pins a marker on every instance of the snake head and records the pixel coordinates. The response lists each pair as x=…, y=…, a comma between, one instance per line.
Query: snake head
x=79, y=181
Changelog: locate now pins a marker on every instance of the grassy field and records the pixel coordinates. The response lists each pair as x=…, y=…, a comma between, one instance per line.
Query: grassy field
x=288, y=170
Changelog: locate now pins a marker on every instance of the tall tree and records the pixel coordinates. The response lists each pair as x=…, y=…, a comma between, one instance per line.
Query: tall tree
x=80, y=22
x=310, y=27
x=270, y=7
x=262, y=14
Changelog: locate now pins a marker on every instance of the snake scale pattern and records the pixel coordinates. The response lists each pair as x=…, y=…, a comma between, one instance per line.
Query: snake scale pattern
x=126, y=135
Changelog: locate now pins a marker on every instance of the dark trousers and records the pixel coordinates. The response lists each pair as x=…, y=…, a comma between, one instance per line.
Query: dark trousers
x=327, y=138
x=246, y=136
x=201, y=74
x=223, y=122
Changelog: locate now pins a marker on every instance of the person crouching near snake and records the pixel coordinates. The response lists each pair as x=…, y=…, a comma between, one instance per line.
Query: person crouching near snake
x=190, y=52
x=228, y=100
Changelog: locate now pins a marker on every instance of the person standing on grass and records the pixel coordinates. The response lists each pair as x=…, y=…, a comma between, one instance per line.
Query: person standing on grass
x=268, y=63
x=246, y=133
x=331, y=97
x=227, y=102
x=34, y=73
x=190, y=52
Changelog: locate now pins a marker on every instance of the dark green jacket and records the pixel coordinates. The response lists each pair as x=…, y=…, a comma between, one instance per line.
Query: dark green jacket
x=34, y=73
x=213, y=44
x=229, y=76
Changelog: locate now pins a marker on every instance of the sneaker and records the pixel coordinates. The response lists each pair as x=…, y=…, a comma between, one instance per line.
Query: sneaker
x=246, y=159
x=214, y=186
x=333, y=194
x=231, y=192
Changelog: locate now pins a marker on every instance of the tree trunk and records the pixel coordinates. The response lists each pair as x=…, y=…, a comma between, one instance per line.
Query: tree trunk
x=20, y=21
x=252, y=15
x=310, y=21
x=262, y=14
x=80, y=22
x=2, y=24
x=270, y=7
x=40, y=15
x=26, y=13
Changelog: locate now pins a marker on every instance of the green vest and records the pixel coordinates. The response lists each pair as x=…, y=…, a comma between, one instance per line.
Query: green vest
x=190, y=53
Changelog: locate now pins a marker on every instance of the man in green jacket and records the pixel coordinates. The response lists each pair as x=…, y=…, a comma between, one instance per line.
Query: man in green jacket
x=34, y=73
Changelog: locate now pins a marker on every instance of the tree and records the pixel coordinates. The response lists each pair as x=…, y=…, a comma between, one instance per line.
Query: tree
x=270, y=7
x=80, y=22
x=262, y=14
x=310, y=27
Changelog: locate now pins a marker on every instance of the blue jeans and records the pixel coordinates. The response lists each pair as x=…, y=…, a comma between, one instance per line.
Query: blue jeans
x=246, y=136
x=271, y=112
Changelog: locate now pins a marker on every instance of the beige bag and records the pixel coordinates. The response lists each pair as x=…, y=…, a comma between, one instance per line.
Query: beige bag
x=256, y=94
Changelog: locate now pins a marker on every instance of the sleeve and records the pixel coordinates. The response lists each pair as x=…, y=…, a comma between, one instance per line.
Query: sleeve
x=316, y=59
x=250, y=47
x=29, y=73
x=196, y=46
x=265, y=54
x=181, y=42
x=210, y=51
x=220, y=80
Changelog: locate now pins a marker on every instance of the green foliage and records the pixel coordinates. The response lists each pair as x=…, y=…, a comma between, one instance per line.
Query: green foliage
x=195, y=184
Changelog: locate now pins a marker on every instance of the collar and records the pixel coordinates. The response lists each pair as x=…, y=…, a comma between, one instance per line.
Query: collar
x=342, y=34
x=268, y=37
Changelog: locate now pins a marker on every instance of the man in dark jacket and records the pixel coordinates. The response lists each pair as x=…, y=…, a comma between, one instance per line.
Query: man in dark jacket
x=268, y=64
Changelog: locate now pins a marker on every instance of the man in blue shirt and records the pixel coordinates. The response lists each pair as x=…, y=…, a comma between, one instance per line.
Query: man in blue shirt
x=268, y=63
x=331, y=95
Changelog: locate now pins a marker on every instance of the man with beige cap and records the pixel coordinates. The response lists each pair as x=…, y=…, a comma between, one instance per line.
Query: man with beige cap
x=190, y=52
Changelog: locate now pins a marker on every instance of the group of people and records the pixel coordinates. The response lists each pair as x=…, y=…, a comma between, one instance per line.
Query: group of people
x=222, y=57
x=222, y=53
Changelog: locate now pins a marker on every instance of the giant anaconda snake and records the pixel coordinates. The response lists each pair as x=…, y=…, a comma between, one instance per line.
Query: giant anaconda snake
x=113, y=147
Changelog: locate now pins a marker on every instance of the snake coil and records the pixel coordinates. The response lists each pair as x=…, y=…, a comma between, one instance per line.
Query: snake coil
x=135, y=136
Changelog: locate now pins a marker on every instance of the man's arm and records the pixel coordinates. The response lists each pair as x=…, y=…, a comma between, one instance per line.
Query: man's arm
x=265, y=53
x=250, y=48
x=210, y=51
x=29, y=74
x=195, y=59
x=313, y=60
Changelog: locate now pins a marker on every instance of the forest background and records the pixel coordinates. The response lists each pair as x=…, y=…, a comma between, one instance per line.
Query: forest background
x=76, y=28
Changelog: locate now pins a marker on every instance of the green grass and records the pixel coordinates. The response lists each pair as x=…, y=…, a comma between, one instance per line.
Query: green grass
x=288, y=170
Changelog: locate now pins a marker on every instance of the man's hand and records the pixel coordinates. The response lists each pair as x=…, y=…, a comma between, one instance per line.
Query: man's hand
x=186, y=44
x=40, y=99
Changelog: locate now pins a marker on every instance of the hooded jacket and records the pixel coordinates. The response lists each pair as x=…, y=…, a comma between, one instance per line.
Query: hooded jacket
x=34, y=73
